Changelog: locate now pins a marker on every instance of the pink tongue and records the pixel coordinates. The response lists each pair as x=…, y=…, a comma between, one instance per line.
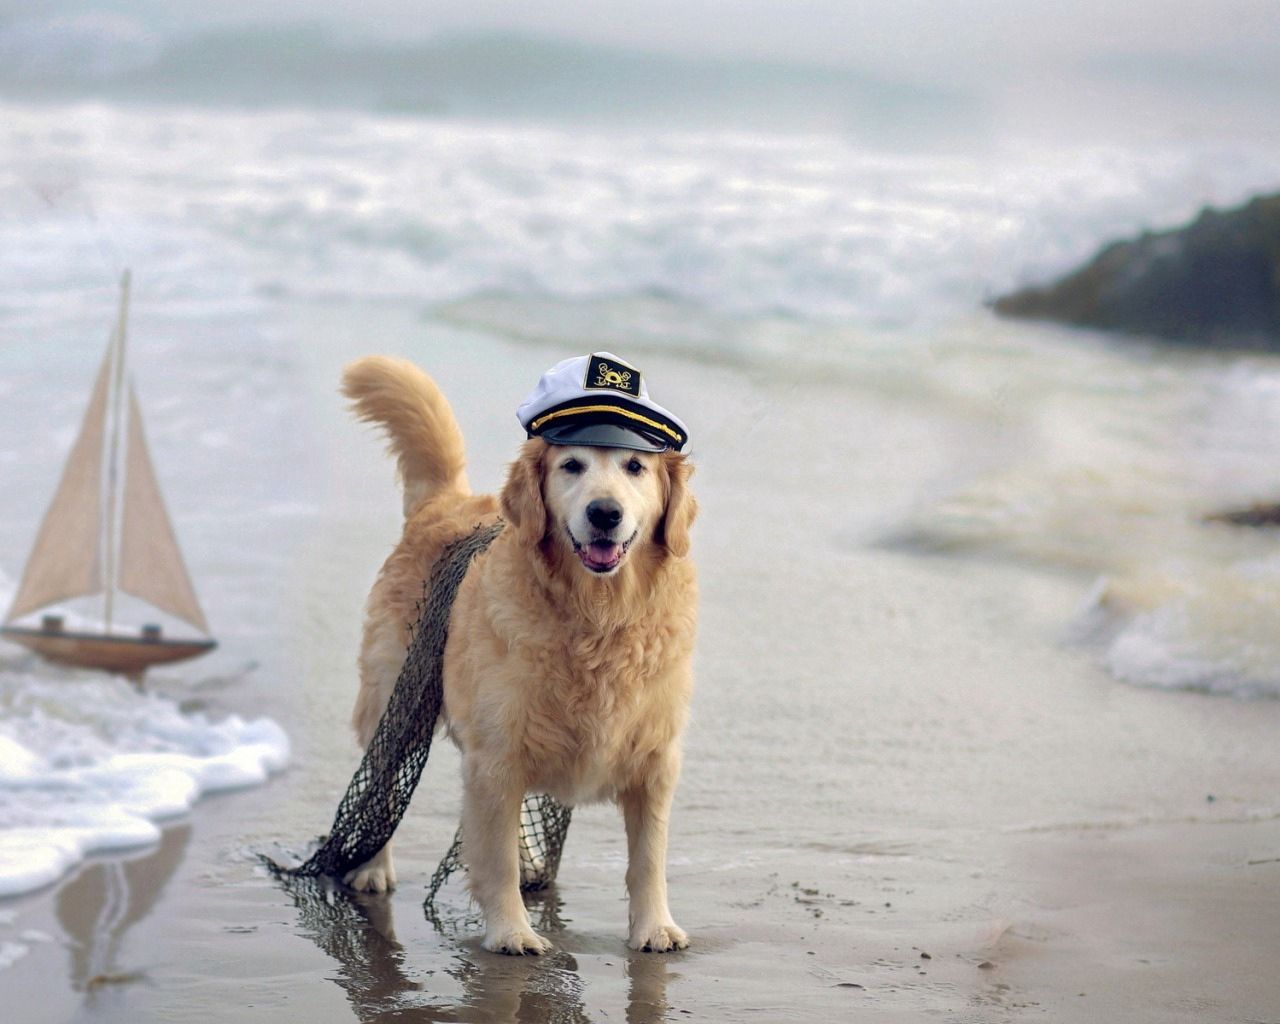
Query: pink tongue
x=601, y=554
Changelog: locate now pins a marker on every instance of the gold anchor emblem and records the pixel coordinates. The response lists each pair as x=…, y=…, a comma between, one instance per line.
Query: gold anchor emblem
x=607, y=377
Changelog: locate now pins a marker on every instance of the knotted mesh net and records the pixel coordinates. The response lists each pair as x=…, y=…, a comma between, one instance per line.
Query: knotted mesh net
x=544, y=822
x=379, y=792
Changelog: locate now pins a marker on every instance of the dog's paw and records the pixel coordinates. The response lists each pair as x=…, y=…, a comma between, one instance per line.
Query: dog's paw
x=517, y=941
x=661, y=938
x=376, y=875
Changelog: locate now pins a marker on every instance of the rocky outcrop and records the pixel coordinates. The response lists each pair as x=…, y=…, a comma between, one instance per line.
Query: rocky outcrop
x=1214, y=282
x=1254, y=515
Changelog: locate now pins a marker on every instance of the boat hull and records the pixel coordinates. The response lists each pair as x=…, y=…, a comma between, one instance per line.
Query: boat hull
x=127, y=655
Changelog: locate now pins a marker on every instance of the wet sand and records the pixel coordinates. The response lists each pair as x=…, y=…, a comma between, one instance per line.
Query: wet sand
x=904, y=796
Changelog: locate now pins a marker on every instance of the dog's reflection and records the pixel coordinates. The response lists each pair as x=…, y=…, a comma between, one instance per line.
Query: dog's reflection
x=358, y=931
x=647, y=988
x=99, y=905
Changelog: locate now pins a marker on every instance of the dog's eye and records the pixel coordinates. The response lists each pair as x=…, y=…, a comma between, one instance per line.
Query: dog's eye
x=572, y=466
x=635, y=467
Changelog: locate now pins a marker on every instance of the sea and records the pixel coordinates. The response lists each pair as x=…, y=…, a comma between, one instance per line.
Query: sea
x=851, y=253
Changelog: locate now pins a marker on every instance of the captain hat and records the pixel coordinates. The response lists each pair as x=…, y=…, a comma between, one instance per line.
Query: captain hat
x=601, y=401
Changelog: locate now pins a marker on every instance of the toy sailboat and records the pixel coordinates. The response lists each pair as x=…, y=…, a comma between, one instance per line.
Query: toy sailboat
x=107, y=531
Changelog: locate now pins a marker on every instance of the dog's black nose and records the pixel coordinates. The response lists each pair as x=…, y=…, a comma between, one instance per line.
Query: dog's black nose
x=604, y=514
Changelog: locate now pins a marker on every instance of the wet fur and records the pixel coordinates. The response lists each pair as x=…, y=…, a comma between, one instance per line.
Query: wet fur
x=557, y=679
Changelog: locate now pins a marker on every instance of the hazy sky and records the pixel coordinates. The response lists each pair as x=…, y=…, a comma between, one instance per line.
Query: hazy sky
x=930, y=39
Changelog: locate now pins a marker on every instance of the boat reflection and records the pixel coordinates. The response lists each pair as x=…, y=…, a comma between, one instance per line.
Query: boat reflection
x=99, y=906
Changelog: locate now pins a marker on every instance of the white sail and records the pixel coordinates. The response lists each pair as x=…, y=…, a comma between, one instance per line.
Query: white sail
x=66, y=560
x=151, y=565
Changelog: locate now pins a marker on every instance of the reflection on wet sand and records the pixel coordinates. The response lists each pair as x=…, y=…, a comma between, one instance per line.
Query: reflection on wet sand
x=358, y=931
x=647, y=989
x=99, y=905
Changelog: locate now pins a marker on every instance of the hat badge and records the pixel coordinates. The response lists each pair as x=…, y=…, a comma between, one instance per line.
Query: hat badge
x=607, y=377
x=607, y=374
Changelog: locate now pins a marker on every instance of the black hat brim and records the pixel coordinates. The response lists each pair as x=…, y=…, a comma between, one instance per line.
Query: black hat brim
x=603, y=435
x=643, y=428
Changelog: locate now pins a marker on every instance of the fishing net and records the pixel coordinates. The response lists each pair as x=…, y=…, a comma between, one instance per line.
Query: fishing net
x=383, y=784
x=544, y=823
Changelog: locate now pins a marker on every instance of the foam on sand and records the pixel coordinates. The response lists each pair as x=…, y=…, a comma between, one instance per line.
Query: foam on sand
x=90, y=764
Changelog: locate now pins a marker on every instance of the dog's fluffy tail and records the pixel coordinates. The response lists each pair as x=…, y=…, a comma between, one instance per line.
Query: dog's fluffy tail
x=423, y=434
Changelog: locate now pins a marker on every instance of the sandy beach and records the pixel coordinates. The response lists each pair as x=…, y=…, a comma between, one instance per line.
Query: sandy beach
x=906, y=796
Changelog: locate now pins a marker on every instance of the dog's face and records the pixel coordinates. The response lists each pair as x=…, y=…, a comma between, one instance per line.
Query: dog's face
x=602, y=500
x=599, y=503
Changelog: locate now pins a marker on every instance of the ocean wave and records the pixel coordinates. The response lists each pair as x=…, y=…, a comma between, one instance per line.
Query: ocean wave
x=1211, y=630
x=321, y=205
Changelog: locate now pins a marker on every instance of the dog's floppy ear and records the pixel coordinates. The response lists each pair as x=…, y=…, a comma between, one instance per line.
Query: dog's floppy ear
x=522, y=504
x=677, y=517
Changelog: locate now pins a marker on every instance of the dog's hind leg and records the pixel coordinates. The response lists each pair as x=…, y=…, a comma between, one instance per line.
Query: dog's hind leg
x=646, y=809
x=490, y=846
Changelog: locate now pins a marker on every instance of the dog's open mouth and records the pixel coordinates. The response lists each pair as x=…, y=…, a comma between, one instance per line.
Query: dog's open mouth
x=601, y=554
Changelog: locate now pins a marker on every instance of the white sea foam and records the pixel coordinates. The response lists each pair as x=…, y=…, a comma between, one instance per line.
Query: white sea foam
x=89, y=764
x=320, y=204
x=1206, y=628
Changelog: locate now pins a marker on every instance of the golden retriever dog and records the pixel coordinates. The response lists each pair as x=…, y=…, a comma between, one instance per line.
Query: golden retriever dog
x=568, y=664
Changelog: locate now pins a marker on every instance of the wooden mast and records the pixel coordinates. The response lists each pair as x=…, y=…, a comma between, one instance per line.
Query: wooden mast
x=113, y=459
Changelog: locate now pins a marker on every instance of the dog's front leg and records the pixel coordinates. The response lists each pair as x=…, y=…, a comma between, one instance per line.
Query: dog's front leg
x=646, y=809
x=490, y=838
